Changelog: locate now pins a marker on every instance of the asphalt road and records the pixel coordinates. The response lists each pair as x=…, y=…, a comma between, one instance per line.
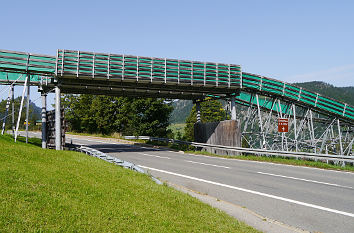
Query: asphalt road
x=312, y=199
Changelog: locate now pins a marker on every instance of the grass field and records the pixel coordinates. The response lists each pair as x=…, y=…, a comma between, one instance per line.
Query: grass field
x=47, y=190
x=177, y=128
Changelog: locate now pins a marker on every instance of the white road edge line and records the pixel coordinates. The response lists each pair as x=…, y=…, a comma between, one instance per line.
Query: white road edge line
x=255, y=192
x=312, y=181
x=207, y=164
x=246, y=161
x=162, y=157
x=275, y=164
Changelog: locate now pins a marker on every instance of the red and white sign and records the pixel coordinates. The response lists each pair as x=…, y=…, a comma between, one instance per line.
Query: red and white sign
x=283, y=125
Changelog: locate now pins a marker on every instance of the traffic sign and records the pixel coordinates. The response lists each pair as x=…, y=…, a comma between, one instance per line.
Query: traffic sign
x=283, y=125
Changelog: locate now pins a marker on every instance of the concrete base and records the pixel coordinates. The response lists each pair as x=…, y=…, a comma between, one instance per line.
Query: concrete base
x=226, y=133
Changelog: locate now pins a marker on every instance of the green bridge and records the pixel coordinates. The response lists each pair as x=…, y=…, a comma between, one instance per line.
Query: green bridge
x=80, y=72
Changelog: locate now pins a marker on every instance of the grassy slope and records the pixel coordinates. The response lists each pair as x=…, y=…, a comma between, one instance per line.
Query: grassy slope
x=47, y=190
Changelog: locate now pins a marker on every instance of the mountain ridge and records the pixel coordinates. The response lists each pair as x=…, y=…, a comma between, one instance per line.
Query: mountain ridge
x=182, y=108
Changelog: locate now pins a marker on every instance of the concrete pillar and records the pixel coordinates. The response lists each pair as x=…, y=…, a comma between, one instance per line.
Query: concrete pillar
x=44, y=120
x=57, y=119
x=197, y=104
x=233, y=108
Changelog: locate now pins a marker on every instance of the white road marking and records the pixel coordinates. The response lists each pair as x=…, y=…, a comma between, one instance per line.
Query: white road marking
x=162, y=157
x=271, y=163
x=207, y=164
x=255, y=192
x=312, y=181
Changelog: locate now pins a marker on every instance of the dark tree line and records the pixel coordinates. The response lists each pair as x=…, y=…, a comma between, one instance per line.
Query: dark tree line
x=107, y=114
x=211, y=111
x=34, y=113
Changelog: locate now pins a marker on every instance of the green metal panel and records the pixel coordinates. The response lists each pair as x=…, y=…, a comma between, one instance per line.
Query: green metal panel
x=26, y=62
x=6, y=77
x=125, y=67
x=271, y=87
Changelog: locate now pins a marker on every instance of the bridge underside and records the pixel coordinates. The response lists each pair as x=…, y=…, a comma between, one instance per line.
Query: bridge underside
x=139, y=89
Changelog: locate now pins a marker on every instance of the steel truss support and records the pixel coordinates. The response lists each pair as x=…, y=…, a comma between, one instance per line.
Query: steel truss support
x=13, y=110
x=340, y=138
x=6, y=112
x=262, y=143
x=308, y=131
x=27, y=110
x=21, y=106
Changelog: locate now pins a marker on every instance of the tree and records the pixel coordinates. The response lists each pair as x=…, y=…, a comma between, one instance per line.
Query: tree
x=107, y=114
x=211, y=111
x=34, y=113
x=149, y=117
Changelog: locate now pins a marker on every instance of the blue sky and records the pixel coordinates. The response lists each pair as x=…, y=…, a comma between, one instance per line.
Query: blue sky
x=293, y=41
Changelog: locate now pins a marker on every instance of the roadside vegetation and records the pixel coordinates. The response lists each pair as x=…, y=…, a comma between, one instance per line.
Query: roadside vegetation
x=276, y=159
x=47, y=190
x=108, y=114
x=177, y=130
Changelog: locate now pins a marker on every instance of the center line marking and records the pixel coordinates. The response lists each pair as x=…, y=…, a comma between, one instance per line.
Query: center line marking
x=207, y=164
x=312, y=181
x=255, y=192
x=162, y=157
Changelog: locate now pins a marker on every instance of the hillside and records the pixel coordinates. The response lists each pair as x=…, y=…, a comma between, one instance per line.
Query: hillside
x=182, y=108
x=65, y=191
x=34, y=111
x=345, y=94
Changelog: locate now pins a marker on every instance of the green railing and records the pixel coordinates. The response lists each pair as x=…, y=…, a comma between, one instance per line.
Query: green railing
x=19, y=62
x=146, y=69
x=274, y=88
x=7, y=78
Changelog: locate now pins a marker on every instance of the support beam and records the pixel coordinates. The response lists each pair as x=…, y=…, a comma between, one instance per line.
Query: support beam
x=340, y=138
x=262, y=143
x=6, y=113
x=233, y=108
x=295, y=137
x=57, y=119
x=21, y=106
x=27, y=109
x=13, y=110
x=197, y=105
x=44, y=120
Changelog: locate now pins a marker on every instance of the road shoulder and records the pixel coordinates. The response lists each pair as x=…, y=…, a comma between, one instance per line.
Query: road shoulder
x=240, y=213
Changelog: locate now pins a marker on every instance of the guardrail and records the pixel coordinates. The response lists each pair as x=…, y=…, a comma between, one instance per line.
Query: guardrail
x=110, y=159
x=313, y=156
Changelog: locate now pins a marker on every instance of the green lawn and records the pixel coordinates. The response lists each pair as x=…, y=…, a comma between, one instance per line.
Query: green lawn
x=48, y=190
x=177, y=128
